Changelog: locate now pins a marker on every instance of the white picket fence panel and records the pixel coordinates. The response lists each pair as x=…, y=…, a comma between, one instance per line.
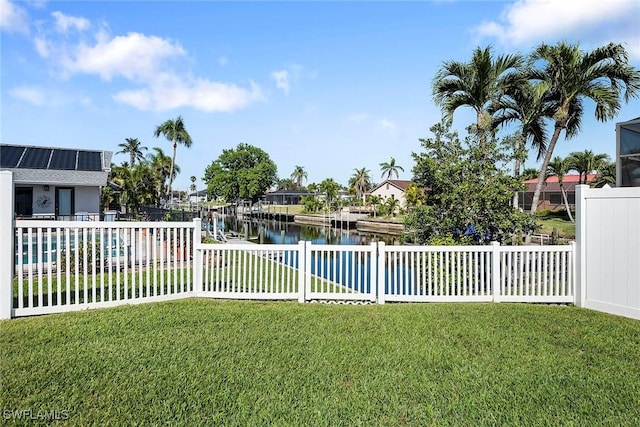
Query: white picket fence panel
x=74, y=265
x=246, y=271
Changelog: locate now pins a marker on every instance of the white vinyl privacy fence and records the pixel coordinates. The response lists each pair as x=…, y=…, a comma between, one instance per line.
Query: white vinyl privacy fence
x=608, y=237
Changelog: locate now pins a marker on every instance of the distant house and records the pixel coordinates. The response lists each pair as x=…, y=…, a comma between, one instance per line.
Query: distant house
x=392, y=189
x=61, y=183
x=285, y=197
x=551, y=196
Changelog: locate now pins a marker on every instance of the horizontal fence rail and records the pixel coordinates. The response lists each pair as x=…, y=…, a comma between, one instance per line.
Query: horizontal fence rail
x=73, y=265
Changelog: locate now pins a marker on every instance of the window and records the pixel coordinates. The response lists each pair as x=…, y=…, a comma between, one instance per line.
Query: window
x=24, y=201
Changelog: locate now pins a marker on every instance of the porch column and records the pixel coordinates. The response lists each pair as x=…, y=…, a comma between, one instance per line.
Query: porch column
x=6, y=244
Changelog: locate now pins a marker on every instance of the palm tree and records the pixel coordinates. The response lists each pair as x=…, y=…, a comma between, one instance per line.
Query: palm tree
x=361, y=180
x=586, y=162
x=529, y=173
x=559, y=167
x=298, y=175
x=133, y=148
x=174, y=131
x=606, y=175
x=570, y=76
x=476, y=84
x=389, y=169
x=161, y=168
x=526, y=103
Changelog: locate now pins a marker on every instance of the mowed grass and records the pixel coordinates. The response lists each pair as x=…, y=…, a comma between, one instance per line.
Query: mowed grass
x=208, y=362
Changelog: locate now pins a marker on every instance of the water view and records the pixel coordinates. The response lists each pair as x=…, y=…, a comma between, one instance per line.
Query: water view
x=278, y=232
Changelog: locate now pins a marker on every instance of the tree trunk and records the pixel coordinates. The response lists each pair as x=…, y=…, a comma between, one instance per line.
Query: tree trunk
x=566, y=203
x=173, y=161
x=543, y=173
x=543, y=169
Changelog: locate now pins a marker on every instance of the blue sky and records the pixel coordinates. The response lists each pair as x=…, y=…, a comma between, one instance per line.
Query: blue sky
x=330, y=86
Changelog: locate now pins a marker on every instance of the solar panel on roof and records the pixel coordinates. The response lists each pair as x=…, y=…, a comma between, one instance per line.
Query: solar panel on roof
x=35, y=158
x=10, y=155
x=89, y=161
x=63, y=160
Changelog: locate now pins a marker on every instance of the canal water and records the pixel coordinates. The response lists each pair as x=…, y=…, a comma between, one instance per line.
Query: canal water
x=278, y=232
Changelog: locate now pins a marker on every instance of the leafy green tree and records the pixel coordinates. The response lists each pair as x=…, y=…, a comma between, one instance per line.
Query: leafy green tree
x=298, y=175
x=414, y=195
x=134, y=149
x=176, y=132
x=586, y=162
x=374, y=201
x=572, y=76
x=390, y=168
x=559, y=167
x=476, y=84
x=245, y=172
x=160, y=167
x=392, y=206
x=469, y=194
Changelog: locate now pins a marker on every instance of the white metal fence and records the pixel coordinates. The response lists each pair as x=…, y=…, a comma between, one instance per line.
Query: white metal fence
x=62, y=266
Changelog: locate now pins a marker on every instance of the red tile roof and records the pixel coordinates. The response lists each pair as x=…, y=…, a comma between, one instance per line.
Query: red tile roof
x=572, y=178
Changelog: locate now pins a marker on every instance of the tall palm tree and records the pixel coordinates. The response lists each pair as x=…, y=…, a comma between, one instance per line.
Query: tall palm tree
x=527, y=103
x=570, y=76
x=586, y=162
x=476, y=84
x=559, y=167
x=529, y=173
x=134, y=149
x=176, y=132
x=361, y=181
x=161, y=165
x=298, y=175
x=389, y=169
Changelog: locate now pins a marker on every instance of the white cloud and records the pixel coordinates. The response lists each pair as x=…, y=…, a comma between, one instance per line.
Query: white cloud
x=135, y=56
x=531, y=21
x=32, y=95
x=13, y=19
x=387, y=124
x=65, y=22
x=172, y=92
x=282, y=80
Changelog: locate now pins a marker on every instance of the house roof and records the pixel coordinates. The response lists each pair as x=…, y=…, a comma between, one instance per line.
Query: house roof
x=569, y=182
x=401, y=184
x=57, y=166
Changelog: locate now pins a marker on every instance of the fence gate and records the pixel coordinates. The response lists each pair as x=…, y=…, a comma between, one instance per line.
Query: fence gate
x=341, y=272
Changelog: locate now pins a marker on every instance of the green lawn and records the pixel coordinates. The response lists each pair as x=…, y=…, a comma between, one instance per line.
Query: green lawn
x=207, y=362
x=549, y=220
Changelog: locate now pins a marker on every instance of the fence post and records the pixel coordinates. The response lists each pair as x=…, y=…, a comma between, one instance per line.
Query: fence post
x=197, y=256
x=302, y=270
x=379, y=277
x=496, y=286
x=579, y=255
x=6, y=245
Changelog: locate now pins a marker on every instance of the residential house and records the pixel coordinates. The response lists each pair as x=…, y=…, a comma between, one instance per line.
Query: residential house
x=551, y=196
x=392, y=189
x=61, y=183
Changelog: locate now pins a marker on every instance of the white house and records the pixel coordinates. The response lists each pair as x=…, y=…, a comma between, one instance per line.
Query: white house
x=61, y=183
x=392, y=189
